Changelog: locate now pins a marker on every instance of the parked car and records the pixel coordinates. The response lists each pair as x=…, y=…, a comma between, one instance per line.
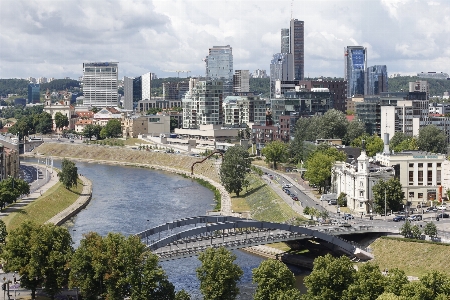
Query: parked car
x=415, y=218
x=348, y=216
x=294, y=197
x=287, y=186
x=442, y=215
x=398, y=218
x=442, y=207
x=332, y=202
x=287, y=191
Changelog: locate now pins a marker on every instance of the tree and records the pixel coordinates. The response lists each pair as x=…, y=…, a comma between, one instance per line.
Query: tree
x=273, y=278
x=40, y=254
x=3, y=234
x=432, y=139
x=391, y=190
x=395, y=281
x=69, y=173
x=333, y=125
x=408, y=144
x=342, y=199
x=368, y=284
x=275, y=152
x=218, y=274
x=437, y=282
x=396, y=139
x=88, y=131
x=416, y=233
x=234, y=168
x=415, y=290
x=112, y=129
x=430, y=229
x=355, y=129
x=182, y=295
x=61, y=120
x=388, y=296
x=374, y=143
x=43, y=123
x=329, y=278
x=407, y=230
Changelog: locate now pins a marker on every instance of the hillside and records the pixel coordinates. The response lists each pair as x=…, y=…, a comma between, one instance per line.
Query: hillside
x=437, y=87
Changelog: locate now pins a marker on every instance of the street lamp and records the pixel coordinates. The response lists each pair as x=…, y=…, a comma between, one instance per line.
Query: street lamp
x=385, y=206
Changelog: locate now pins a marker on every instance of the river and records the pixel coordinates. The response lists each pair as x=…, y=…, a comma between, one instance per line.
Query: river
x=129, y=200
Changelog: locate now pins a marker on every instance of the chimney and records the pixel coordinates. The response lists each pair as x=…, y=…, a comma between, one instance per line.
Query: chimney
x=386, y=143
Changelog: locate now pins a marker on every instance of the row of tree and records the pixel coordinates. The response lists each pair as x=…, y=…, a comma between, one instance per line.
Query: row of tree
x=11, y=189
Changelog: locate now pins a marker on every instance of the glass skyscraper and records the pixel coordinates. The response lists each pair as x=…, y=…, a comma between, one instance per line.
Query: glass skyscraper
x=34, y=93
x=376, y=80
x=355, y=65
x=219, y=65
x=100, y=84
x=297, y=47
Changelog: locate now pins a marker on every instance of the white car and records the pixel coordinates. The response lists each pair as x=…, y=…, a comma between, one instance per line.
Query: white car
x=442, y=207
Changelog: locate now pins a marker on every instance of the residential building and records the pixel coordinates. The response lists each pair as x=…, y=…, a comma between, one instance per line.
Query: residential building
x=219, y=66
x=154, y=125
x=9, y=162
x=439, y=108
x=80, y=124
x=259, y=74
x=42, y=80
x=337, y=88
x=105, y=114
x=355, y=64
x=175, y=91
x=368, y=111
x=157, y=102
x=208, y=134
x=34, y=93
x=100, y=84
x=284, y=40
x=136, y=89
x=244, y=109
x=241, y=81
x=297, y=47
x=376, y=80
x=420, y=86
x=202, y=104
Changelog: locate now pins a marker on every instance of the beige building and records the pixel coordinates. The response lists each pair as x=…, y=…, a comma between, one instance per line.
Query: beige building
x=65, y=108
x=153, y=125
x=209, y=132
x=105, y=114
x=9, y=162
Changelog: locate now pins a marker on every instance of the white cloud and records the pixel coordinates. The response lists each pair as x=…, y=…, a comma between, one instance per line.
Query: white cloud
x=53, y=38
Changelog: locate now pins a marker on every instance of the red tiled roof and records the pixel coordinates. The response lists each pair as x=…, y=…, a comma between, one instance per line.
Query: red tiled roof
x=350, y=118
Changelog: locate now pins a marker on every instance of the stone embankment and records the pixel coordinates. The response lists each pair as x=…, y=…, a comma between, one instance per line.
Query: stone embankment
x=77, y=206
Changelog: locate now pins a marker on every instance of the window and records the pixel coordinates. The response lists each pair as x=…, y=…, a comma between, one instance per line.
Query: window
x=439, y=165
x=361, y=183
x=430, y=176
x=420, y=165
x=411, y=177
x=430, y=165
x=411, y=194
x=420, y=177
x=361, y=204
x=438, y=177
x=411, y=165
x=361, y=193
x=420, y=195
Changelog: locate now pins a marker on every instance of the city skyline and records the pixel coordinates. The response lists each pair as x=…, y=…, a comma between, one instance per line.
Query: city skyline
x=54, y=38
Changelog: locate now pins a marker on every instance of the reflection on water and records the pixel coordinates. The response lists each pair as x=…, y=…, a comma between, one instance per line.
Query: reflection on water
x=129, y=200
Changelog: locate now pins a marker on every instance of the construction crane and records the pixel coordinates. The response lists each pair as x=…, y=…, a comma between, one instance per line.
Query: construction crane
x=179, y=71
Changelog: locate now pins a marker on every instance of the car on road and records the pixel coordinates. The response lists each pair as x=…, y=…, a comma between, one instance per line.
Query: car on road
x=442, y=215
x=288, y=186
x=345, y=225
x=398, y=218
x=415, y=218
x=442, y=207
x=287, y=191
x=348, y=216
x=332, y=202
x=294, y=197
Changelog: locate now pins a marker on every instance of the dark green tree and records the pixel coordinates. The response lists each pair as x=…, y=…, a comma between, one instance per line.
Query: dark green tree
x=392, y=189
x=275, y=152
x=368, y=284
x=218, y=274
x=40, y=254
x=395, y=280
x=43, y=123
x=407, y=229
x=234, y=168
x=3, y=234
x=273, y=278
x=69, y=173
x=437, y=282
x=182, y=295
x=374, y=144
x=355, y=129
x=333, y=125
x=112, y=129
x=88, y=131
x=397, y=138
x=432, y=139
x=61, y=120
x=330, y=278
x=430, y=229
x=415, y=290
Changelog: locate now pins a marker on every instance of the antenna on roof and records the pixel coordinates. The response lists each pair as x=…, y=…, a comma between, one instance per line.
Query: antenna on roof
x=292, y=5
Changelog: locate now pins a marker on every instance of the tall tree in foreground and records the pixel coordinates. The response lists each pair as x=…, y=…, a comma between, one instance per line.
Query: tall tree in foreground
x=69, y=173
x=275, y=152
x=274, y=279
x=368, y=285
x=218, y=274
x=391, y=190
x=234, y=168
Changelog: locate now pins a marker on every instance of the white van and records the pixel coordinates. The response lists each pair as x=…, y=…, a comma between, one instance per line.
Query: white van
x=328, y=197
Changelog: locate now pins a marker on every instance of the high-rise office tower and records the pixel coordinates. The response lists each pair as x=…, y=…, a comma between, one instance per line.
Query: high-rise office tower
x=281, y=69
x=100, y=84
x=219, y=65
x=136, y=89
x=355, y=65
x=284, y=40
x=297, y=47
x=34, y=95
x=376, y=80
x=241, y=81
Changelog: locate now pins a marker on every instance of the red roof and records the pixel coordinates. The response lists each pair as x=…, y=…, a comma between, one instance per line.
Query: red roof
x=350, y=118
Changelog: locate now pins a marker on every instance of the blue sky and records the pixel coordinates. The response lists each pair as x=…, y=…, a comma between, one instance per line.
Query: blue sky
x=53, y=38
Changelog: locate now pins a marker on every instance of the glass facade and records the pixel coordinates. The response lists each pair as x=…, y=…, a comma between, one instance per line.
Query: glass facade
x=34, y=93
x=376, y=80
x=355, y=65
x=100, y=84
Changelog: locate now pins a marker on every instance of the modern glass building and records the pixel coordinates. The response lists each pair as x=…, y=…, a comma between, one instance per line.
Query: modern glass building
x=376, y=80
x=219, y=65
x=281, y=69
x=100, y=84
x=297, y=47
x=34, y=93
x=355, y=64
x=284, y=40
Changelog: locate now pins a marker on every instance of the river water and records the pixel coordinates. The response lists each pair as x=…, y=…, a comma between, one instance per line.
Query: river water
x=129, y=200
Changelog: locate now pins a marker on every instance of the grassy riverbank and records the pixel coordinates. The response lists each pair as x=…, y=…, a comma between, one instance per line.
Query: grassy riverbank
x=53, y=201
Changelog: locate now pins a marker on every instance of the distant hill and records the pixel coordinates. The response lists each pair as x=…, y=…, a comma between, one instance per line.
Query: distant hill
x=13, y=86
x=437, y=86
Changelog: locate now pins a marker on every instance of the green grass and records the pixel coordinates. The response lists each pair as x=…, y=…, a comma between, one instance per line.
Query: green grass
x=53, y=201
x=264, y=203
x=134, y=141
x=415, y=258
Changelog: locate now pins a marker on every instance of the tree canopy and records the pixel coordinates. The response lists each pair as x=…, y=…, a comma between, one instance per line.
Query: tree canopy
x=355, y=129
x=218, y=274
x=392, y=189
x=235, y=166
x=68, y=174
x=112, y=129
x=275, y=152
x=432, y=139
x=374, y=144
x=61, y=120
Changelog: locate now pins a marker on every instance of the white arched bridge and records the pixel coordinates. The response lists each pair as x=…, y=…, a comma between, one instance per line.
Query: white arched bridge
x=190, y=236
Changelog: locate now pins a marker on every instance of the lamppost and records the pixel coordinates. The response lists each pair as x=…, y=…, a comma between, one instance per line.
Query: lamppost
x=385, y=206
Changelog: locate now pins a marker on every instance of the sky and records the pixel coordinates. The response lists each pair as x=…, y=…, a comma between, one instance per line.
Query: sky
x=52, y=38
